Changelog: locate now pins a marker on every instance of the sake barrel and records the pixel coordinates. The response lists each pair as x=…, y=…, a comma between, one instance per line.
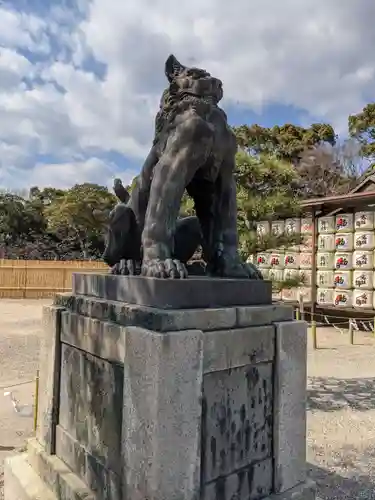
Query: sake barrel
x=343, y=279
x=291, y=260
x=289, y=294
x=305, y=293
x=326, y=225
x=276, y=296
x=364, y=220
x=364, y=240
x=251, y=259
x=344, y=242
x=326, y=243
x=344, y=223
x=292, y=226
x=307, y=244
x=363, y=280
x=305, y=276
x=363, y=299
x=324, y=296
x=343, y=298
x=275, y=274
x=325, y=260
x=264, y=272
x=305, y=260
x=263, y=228
x=363, y=259
x=306, y=225
x=290, y=274
x=277, y=227
x=343, y=261
x=325, y=279
x=263, y=259
x=277, y=260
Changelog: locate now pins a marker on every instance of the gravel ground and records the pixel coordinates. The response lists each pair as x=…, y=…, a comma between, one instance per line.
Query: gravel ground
x=341, y=401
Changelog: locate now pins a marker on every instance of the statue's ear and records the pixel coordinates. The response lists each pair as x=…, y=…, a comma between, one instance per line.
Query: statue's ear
x=173, y=68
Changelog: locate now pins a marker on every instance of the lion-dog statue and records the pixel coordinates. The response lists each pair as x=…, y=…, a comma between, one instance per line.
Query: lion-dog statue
x=194, y=150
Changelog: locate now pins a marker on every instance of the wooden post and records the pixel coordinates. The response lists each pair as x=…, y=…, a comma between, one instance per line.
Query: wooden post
x=36, y=401
x=313, y=277
x=301, y=307
x=351, y=332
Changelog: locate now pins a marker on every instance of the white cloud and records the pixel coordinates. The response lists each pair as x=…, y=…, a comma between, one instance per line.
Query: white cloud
x=314, y=55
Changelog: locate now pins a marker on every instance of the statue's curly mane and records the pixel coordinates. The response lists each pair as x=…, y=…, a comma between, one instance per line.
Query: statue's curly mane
x=170, y=105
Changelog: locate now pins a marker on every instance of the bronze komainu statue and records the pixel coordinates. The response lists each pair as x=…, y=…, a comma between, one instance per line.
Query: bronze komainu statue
x=193, y=149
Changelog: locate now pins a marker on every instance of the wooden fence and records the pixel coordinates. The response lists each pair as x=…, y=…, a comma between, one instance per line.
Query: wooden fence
x=36, y=279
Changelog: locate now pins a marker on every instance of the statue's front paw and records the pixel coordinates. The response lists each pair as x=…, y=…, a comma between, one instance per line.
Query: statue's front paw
x=127, y=267
x=168, y=268
x=253, y=271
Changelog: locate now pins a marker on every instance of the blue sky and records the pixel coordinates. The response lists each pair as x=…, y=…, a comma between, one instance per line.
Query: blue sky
x=80, y=80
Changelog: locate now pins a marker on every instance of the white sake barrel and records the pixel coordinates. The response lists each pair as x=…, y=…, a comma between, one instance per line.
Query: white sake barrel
x=290, y=274
x=276, y=296
x=306, y=225
x=277, y=260
x=289, y=294
x=251, y=259
x=363, y=280
x=344, y=223
x=307, y=244
x=291, y=260
x=326, y=225
x=343, y=298
x=324, y=296
x=344, y=242
x=263, y=259
x=324, y=279
x=343, y=279
x=363, y=299
x=326, y=243
x=364, y=220
x=325, y=260
x=264, y=272
x=263, y=228
x=275, y=274
x=277, y=227
x=305, y=260
x=364, y=240
x=343, y=261
x=305, y=276
x=292, y=226
x=363, y=259
x=305, y=293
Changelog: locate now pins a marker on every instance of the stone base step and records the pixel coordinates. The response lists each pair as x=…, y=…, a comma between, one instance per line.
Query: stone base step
x=21, y=482
x=35, y=475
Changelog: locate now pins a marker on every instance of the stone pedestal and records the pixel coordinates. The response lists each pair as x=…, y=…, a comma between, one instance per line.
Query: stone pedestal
x=167, y=402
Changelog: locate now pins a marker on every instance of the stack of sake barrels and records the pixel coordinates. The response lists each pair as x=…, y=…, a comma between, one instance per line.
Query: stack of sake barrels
x=345, y=260
x=283, y=264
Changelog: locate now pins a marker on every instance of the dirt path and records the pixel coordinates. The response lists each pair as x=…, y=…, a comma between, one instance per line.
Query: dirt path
x=341, y=416
x=19, y=345
x=341, y=401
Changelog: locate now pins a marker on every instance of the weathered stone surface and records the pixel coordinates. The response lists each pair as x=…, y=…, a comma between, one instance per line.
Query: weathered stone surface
x=160, y=320
x=233, y=348
x=191, y=293
x=49, y=377
x=263, y=315
x=57, y=475
x=103, y=482
x=290, y=405
x=251, y=483
x=91, y=404
x=100, y=338
x=237, y=423
x=303, y=491
x=161, y=431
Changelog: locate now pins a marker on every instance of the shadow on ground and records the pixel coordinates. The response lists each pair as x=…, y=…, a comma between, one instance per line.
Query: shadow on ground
x=332, y=486
x=331, y=394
